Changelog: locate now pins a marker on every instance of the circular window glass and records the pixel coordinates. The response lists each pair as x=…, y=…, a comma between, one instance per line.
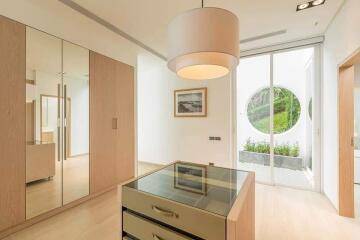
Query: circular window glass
x=286, y=110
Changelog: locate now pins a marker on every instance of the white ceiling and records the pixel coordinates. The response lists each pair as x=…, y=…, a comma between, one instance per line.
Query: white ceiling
x=147, y=20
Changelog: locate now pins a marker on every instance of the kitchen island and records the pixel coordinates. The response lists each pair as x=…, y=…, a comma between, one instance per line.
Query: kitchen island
x=185, y=201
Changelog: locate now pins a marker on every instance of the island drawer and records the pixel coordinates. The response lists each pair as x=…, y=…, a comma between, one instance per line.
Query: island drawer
x=149, y=229
x=197, y=222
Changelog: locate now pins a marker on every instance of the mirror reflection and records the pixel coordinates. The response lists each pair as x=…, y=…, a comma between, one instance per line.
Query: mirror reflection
x=43, y=163
x=57, y=123
x=76, y=124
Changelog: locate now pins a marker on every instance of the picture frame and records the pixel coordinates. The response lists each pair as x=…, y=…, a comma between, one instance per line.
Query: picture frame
x=190, y=177
x=190, y=102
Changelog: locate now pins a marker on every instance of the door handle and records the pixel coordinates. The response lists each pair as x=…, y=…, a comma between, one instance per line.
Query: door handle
x=65, y=121
x=58, y=123
x=164, y=212
x=114, y=123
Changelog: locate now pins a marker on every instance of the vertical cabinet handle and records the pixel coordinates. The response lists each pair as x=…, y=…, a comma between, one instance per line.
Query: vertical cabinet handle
x=114, y=123
x=65, y=120
x=58, y=122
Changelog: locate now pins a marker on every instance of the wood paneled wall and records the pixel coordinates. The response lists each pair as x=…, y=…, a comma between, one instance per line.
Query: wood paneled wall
x=112, y=130
x=12, y=123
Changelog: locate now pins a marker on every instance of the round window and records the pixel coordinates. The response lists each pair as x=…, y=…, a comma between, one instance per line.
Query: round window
x=286, y=110
x=310, y=109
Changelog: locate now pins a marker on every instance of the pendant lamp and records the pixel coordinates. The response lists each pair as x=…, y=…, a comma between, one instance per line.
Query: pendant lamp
x=203, y=43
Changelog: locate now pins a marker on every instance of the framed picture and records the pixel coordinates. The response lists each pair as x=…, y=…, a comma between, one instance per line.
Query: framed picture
x=190, y=177
x=190, y=102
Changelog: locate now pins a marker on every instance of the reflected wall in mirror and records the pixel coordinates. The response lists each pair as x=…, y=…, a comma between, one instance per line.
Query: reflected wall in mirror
x=43, y=165
x=76, y=119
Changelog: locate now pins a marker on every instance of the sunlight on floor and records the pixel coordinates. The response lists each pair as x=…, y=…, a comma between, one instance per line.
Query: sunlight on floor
x=283, y=176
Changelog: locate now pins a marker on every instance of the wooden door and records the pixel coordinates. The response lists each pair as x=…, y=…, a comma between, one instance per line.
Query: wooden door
x=12, y=123
x=346, y=144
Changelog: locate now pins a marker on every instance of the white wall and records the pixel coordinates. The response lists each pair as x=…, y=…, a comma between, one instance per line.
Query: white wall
x=192, y=134
x=78, y=91
x=162, y=137
x=155, y=131
x=341, y=39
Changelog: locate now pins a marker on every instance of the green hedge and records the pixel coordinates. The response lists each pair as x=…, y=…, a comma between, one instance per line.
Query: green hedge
x=286, y=110
x=264, y=147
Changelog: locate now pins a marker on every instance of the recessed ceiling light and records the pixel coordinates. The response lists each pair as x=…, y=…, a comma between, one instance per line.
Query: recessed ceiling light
x=318, y=2
x=303, y=6
x=314, y=3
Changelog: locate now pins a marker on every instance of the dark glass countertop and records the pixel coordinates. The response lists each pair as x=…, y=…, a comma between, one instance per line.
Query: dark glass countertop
x=209, y=188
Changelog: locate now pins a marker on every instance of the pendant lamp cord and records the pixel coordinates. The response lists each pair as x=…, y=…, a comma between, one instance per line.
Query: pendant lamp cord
x=202, y=3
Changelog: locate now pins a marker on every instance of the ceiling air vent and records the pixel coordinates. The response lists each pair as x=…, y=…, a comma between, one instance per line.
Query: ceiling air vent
x=263, y=36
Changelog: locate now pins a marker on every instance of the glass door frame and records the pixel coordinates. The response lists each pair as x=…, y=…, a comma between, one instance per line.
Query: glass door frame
x=316, y=109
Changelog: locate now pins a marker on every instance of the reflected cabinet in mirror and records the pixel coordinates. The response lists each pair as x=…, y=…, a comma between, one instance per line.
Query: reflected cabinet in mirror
x=57, y=122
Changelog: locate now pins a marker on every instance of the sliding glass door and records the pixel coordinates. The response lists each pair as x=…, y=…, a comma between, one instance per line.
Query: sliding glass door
x=253, y=96
x=277, y=120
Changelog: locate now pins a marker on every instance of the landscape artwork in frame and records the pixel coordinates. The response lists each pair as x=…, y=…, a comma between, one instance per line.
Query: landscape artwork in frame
x=190, y=102
x=190, y=177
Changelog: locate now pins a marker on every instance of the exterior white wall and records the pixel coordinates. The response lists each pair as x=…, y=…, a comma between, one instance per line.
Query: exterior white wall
x=341, y=39
x=162, y=137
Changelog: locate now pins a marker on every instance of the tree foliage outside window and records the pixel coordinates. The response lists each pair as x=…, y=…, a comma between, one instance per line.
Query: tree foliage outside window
x=286, y=110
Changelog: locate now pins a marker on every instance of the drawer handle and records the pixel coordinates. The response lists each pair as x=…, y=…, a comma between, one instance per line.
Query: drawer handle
x=156, y=237
x=164, y=212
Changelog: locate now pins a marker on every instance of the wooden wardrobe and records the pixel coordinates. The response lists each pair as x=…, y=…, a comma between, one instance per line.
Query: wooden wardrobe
x=12, y=123
x=112, y=127
x=111, y=122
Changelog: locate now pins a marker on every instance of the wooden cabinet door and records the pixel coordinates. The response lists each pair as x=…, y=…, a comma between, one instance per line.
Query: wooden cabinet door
x=346, y=142
x=12, y=123
x=111, y=122
x=102, y=134
x=125, y=133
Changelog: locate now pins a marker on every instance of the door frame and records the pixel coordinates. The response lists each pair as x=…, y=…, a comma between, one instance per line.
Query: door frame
x=345, y=138
x=317, y=103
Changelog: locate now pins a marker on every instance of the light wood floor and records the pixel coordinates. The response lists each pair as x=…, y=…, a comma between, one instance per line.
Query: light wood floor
x=45, y=195
x=281, y=214
x=145, y=167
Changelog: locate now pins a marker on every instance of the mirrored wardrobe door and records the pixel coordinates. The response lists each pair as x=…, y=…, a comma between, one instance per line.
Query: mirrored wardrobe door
x=43, y=114
x=76, y=122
